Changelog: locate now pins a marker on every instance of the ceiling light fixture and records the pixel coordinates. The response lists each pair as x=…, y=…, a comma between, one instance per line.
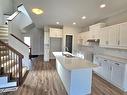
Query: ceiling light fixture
x=102, y=5
x=57, y=23
x=74, y=23
x=37, y=11
x=84, y=17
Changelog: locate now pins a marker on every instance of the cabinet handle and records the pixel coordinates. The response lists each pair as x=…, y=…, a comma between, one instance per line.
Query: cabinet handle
x=118, y=42
x=117, y=64
x=105, y=60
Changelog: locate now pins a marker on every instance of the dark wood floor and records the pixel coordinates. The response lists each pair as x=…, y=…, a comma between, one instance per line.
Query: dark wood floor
x=43, y=79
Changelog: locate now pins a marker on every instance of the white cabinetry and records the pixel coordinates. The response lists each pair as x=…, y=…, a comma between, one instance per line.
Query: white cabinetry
x=54, y=32
x=95, y=30
x=106, y=66
x=123, y=35
x=82, y=38
x=113, y=35
x=104, y=37
x=112, y=71
x=117, y=76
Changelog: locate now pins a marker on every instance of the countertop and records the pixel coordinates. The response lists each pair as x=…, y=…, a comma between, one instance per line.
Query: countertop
x=73, y=63
x=113, y=58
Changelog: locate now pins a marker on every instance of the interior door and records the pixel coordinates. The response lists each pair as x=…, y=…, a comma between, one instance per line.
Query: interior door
x=69, y=43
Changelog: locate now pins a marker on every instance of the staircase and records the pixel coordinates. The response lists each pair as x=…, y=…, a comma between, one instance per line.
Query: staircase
x=11, y=70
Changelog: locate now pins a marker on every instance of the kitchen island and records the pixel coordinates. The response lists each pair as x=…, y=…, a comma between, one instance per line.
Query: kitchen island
x=75, y=73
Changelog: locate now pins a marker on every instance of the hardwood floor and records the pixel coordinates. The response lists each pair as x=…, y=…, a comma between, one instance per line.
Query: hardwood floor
x=43, y=79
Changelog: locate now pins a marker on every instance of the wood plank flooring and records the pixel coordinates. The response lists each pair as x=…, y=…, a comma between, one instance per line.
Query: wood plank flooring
x=43, y=79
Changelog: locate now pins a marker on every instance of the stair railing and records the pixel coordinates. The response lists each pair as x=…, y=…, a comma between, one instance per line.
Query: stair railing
x=10, y=62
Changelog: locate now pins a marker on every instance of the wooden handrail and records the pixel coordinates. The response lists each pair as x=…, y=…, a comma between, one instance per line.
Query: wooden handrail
x=12, y=49
x=19, y=40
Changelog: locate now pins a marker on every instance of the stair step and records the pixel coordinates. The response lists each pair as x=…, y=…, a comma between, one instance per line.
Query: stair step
x=3, y=35
x=10, y=89
x=9, y=84
x=3, y=79
x=3, y=26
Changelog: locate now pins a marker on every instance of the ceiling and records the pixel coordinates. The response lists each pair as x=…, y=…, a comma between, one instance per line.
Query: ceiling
x=69, y=11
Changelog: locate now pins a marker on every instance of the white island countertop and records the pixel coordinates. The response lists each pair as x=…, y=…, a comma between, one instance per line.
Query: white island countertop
x=73, y=63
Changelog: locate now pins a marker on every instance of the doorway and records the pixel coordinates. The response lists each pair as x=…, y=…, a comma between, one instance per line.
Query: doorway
x=69, y=43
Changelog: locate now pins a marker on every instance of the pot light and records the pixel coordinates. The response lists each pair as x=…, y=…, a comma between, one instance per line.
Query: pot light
x=57, y=22
x=84, y=17
x=102, y=5
x=74, y=23
x=37, y=11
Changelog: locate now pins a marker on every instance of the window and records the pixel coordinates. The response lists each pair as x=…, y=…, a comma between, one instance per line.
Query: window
x=27, y=40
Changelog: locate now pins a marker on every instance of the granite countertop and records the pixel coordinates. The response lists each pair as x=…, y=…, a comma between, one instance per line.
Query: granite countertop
x=113, y=58
x=73, y=63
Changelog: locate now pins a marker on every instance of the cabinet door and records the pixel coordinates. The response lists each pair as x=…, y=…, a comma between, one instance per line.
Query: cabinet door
x=53, y=32
x=59, y=33
x=113, y=35
x=117, y=76
x=123, y=35
x=104, y=37
x=97, y=61
x=106, y=69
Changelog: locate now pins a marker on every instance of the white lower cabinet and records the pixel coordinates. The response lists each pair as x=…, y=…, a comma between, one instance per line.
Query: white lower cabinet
x=112, y=71
x=106, y=66
x=117, y=75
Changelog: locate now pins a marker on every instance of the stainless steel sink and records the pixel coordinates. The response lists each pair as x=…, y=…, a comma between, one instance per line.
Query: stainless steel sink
x=68, y=55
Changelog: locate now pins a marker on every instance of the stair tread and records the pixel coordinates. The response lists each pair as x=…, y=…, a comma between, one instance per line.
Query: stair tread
x=8, y=89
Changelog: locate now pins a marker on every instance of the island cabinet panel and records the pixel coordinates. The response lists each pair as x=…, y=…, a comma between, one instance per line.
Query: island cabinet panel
x=113, y=71
x=81, y=81
x=75, y=73
x=65, y=76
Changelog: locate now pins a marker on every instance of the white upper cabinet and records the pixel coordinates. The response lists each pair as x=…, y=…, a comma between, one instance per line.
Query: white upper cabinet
x=82, y=38
x=113, y=35
x=123, y=35
x=104, y=37
x=54, y=32
x=95, y=30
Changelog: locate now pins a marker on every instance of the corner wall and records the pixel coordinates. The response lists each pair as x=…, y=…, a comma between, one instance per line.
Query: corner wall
x=68, y=30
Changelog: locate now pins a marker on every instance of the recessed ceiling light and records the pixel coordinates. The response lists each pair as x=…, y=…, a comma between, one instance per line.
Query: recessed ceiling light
x=74, y=23
x=37, y=11
x=102, y=5
x=84, y=17
x=57, y=22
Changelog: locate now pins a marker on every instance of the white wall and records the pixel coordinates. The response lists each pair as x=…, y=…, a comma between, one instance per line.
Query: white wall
x=37, y=41
x=55, y=46
x=71, y=31
x=6, y=6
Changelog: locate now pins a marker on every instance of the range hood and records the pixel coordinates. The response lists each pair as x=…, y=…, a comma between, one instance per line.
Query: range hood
x=93, y=40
